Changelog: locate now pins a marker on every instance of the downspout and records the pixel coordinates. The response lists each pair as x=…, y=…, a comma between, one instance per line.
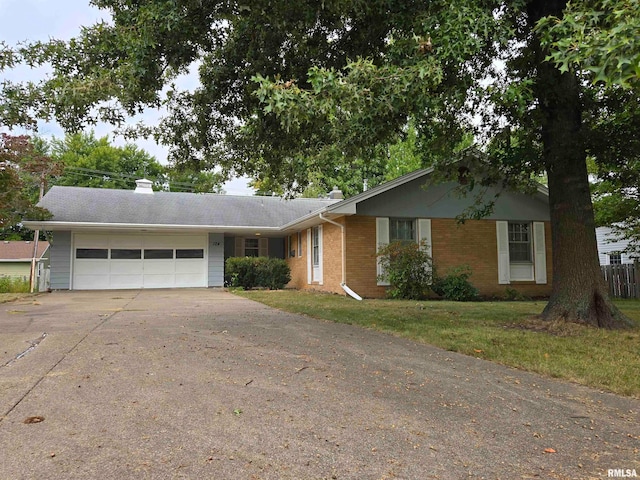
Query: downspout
x=343, y=283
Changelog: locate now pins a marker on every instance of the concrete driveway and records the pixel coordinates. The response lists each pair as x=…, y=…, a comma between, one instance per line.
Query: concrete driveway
x=198, y=383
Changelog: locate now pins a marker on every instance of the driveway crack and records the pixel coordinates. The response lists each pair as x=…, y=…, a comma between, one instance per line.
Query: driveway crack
x=64, y=356
x=32, y=345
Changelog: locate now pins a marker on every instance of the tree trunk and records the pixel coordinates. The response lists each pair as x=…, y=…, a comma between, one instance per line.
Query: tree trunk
x=579, y=293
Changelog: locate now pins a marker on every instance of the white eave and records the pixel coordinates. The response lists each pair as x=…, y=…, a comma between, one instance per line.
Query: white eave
x=18, y=260
x=146, y=227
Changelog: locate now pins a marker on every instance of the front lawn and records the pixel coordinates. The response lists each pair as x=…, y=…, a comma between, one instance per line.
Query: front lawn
x=498, y=331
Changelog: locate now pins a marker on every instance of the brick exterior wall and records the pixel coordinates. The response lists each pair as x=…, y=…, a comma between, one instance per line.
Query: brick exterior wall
x=473, y=243
x=298, y=264
x=331, y=262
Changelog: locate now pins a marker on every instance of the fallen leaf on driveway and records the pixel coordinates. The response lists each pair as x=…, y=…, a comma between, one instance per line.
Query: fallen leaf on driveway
x=34, y=419
x=549, y=450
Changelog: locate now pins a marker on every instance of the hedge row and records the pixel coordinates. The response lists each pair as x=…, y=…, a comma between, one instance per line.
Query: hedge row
x=252, y=272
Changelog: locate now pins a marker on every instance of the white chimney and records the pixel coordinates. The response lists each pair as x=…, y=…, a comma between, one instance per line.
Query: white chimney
x=144, y=186
x=336, y=193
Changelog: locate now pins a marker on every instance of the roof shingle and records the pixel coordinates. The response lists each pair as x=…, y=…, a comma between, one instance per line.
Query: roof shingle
x=95, y=205
x=20, y=250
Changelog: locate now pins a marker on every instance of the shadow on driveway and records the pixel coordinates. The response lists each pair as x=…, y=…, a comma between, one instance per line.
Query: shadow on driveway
x=198, y=383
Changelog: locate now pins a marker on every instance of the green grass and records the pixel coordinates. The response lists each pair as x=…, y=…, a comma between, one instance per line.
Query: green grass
x=502, y=332
x=10, y=297
x=13, y=285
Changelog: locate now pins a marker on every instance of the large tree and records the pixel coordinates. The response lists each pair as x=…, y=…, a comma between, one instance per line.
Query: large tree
x=288, y=89
x=89, y=161
x=24, y=170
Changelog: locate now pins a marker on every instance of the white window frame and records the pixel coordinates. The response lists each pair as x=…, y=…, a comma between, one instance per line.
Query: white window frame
x=421, y=233
x=512, y=271
x=314, y=270
x=615, y=258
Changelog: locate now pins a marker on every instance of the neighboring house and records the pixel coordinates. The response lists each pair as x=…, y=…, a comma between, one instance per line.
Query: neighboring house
x=141, y=239
x=16, y=256
x=611, y=249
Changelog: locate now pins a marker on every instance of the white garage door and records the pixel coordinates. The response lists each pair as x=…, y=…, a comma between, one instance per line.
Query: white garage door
x=138, y=261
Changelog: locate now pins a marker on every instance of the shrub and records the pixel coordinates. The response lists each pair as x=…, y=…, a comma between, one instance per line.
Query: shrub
x=14, y=285
x=455, y=285
x=407, y=268
x=252, y=272
x=514, y=295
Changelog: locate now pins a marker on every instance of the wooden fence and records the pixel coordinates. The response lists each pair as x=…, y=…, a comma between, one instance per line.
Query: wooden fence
x=623, y=280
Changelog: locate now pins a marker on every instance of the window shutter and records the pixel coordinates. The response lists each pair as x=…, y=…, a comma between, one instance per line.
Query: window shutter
x=309, y=261
x=424, y=235
x=320, y=257
x=382, y=239
x=502, y=233
x=540, y=252
x=239, y=247
x=263, y=247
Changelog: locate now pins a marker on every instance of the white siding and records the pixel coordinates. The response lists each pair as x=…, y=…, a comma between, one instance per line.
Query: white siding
x=607, y=243
x=216, y=260
x=60, y=260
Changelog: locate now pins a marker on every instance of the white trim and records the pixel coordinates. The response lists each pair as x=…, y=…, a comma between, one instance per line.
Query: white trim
x=502, y=236
x=540, y=254
x=150, y=227
x=317, y=272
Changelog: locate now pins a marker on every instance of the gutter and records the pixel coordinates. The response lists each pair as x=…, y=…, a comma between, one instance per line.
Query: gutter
x=343, y=283
x=52, y=225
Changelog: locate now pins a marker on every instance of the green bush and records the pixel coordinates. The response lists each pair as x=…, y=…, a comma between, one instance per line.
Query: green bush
x=407, y=268
x=455, y=285
x=252, y=272
x=14, y=285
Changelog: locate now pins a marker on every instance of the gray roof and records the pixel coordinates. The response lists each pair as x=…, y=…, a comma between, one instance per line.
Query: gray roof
x=97, y=205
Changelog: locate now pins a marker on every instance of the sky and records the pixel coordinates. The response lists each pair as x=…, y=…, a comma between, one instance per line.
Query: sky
x=30, y=20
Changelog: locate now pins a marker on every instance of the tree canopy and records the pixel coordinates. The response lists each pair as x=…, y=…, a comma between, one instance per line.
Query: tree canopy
x=23, y=170
x=292, y=91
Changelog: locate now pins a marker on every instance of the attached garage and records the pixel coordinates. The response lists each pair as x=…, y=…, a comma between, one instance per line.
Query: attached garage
x=123, y=261
x=131, y=239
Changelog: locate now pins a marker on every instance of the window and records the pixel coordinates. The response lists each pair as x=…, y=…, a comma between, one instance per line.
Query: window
x=190, y=253
x=299, y=244
x=522, y=255
x=520, y=243
x=402, y=230
x=615, y=258
x=315, y=246
x=125, y=254
x=292, y=246
x=92, y=253
x=251, y=247
x=156, y=254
